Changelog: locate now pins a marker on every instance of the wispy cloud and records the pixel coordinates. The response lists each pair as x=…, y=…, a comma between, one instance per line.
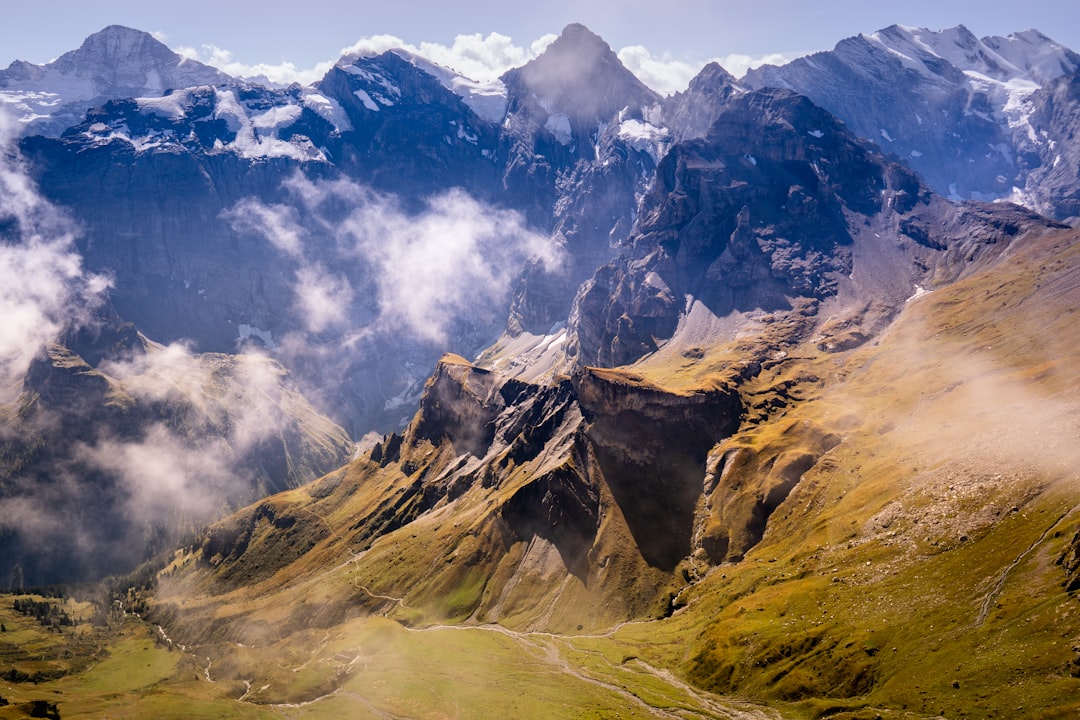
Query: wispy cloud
x=43, y=285
x=283, y=73
x=737, y=64
x=452, y=261
x=483, y=58
x=667, y=75
x=475, y=56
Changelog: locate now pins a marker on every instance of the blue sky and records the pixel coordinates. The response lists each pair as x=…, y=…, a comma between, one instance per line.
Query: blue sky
x=313, y=31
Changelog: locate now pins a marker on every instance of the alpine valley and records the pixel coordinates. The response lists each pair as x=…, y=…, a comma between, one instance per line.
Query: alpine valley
x=403, y=395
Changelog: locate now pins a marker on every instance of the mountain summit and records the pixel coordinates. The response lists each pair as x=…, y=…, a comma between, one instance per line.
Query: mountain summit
x=580, y=76
x=117, y=62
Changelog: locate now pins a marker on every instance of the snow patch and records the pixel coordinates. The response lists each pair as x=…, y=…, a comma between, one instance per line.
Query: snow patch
x=169, y=106
x=816, y=133
x=366, y=99
x=919, y=292
x=644, y=137
x=277, y=117
x=257, y=136
x=559, y=126
x=249, y=331
x=328, y=109
x=486, y=99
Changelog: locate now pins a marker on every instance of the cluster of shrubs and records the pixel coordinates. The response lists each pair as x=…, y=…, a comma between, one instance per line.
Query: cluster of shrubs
x=47, y=613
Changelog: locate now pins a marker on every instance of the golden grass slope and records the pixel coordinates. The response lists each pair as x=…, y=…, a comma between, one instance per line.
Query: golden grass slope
x=918, y=494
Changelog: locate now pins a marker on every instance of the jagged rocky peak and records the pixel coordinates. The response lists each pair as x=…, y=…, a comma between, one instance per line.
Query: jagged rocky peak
x=1043, y=58
x=779, y=208
x=1051, y=157
x=1029, y=55
x=690, y=113
x=580, y=76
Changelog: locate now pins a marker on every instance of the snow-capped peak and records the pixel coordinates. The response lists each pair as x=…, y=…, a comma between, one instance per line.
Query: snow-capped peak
x=117, y=62
x=1029, y=56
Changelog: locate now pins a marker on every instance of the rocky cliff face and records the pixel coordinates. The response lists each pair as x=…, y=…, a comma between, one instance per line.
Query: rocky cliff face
x=189, y=200
x=690, y=114
x=597, y=476
x=597, y=149
x=1049, y=154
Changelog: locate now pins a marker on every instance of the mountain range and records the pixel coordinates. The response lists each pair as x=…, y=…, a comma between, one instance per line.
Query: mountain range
x=763, y=390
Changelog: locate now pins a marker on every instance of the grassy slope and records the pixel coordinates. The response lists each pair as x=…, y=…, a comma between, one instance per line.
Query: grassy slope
x=913, y=570
x=911, y=573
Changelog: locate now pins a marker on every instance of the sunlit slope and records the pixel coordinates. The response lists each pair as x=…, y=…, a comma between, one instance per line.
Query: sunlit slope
x=889, y=526
x=919, y=567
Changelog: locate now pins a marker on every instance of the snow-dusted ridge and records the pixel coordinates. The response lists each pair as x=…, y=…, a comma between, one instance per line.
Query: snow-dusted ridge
x=486, y=99
x=958, y=108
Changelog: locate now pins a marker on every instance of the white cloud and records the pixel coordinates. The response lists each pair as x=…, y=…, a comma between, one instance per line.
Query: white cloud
x=737, y=64
x=667, y=75
x=475, y=56
x=241, y=394
x=395, y=271
x=43, y=286
x=198, y=464
x=484, y=58
x=455, y=259
x=322, y=298
x=283, y=73
x=663, y=74
x=277, y=223
x=165, y=476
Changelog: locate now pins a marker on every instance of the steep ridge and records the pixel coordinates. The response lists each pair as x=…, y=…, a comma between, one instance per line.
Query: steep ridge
x=542, y=497
x=1051, y=156
x=690, y=114
x=888, y=491
x=595, y=497
x=804, y=408
x=599, y=150
x=951, y=106
x=922, y=564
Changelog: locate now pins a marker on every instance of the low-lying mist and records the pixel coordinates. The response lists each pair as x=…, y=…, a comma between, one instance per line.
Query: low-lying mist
x=380, y=290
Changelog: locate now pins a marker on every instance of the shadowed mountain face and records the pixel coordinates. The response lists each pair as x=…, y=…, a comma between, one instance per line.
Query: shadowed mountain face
x=1051, y=158
x=781, y=232
x=778, y=205
x=235, y=214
